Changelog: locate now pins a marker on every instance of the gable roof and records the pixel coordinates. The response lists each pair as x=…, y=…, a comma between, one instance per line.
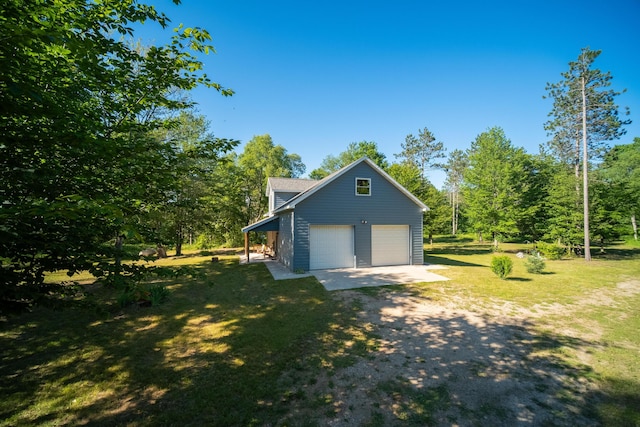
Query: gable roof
x=289, y=185
x=291, y=204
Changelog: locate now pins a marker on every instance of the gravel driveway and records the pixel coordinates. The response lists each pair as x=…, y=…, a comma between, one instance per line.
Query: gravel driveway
x=455, y=364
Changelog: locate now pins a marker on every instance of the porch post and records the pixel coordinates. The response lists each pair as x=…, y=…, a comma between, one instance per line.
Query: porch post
x=246, y=245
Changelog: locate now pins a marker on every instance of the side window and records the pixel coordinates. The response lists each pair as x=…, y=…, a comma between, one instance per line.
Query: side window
x=363, y=186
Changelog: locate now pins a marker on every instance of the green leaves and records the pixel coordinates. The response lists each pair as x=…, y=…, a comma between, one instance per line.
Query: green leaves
x=423, y=151
x=602, y=113
x=78, y=107
x=354, y=151
x=494, y=184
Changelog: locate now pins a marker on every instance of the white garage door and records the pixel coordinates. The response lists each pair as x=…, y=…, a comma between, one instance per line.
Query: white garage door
x=331, y=246
x=390, y=244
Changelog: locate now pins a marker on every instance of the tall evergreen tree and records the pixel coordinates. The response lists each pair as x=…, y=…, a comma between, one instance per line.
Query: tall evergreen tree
x=422, y=151
x=583, y=118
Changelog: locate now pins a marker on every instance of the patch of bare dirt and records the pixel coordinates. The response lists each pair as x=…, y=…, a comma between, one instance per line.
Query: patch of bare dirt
x=438, y=364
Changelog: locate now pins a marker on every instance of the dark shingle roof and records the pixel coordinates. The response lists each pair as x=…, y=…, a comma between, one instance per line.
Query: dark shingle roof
x=290, y=185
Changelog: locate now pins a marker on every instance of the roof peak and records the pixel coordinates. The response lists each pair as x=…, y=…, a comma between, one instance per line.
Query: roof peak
x=329, y=178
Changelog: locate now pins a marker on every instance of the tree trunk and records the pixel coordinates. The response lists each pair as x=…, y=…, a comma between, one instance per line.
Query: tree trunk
x=246, y=246
x=118, y=245
x=635, y=226
x=453, y=214
x=454, y=221
x=179, y=238
x=430, y=238
x=585, y=176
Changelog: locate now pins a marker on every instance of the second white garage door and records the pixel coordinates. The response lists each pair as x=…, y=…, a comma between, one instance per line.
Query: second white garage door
x=331, y=246
x=390, y=244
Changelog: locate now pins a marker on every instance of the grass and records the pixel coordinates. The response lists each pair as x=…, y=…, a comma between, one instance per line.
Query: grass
x=563, y=281
x=614, y=360
x=213, y=354
x=234, y=347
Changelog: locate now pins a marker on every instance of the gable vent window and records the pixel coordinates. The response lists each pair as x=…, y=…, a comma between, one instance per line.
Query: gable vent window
x=363, y=186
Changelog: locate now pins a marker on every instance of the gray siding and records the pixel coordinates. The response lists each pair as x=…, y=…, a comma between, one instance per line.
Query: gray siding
x=285, y=240
x=337, y=204
x=281, y=197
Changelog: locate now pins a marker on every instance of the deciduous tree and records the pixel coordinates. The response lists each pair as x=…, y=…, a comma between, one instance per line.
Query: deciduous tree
x=621, y=170
x=186, y=210
x=408, y=175
x=494, y=185
x=354, y=151
x=77, y=104
x=262, y=159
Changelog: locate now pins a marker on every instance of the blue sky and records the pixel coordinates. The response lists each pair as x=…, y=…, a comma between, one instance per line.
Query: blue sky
x=318, y=75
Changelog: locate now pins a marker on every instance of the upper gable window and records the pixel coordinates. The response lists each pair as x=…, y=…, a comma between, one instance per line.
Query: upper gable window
x=363, y=186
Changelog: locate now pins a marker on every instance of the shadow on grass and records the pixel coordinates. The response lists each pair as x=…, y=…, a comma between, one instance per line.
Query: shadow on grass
x=616, y=253
x=236, y=347
x=443, y=368
x=621, y=406
x=214, y=354
x=450, y=240
x=518, y=279
x=443, y=260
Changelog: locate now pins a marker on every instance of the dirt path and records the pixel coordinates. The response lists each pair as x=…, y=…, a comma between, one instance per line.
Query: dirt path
x=441, y=365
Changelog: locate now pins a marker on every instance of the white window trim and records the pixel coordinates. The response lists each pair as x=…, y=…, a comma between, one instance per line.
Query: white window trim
x=363, y=179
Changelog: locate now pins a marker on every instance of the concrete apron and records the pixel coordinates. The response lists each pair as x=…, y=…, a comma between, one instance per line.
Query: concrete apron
x=351, y=278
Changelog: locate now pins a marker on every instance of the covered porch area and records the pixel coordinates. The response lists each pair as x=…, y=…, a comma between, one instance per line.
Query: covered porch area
x=269, y=248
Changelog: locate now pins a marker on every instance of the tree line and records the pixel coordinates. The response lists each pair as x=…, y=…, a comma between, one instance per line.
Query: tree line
x=102, y=145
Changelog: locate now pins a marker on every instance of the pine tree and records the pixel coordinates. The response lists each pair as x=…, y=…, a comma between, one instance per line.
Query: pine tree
x=583, y=118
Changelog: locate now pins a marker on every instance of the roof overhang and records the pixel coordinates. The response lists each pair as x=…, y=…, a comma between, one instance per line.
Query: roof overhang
x=267, y=224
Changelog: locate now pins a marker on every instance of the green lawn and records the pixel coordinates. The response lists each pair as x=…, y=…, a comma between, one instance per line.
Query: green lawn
x=593, y=294
x=234, y=347
x=214, y=354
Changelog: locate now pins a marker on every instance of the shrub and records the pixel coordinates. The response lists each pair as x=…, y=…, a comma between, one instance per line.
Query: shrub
x=154, y=295
x=551, y=250
x=133, y=295
x=204, y=241
x=535, y=264
x=501, y=266
x=158, y=294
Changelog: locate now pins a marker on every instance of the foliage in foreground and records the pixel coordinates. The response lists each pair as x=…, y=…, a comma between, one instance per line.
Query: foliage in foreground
x=79, y=161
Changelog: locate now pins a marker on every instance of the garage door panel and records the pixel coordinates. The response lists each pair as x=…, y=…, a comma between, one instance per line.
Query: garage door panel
x=390, y=245
x=330, y=246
